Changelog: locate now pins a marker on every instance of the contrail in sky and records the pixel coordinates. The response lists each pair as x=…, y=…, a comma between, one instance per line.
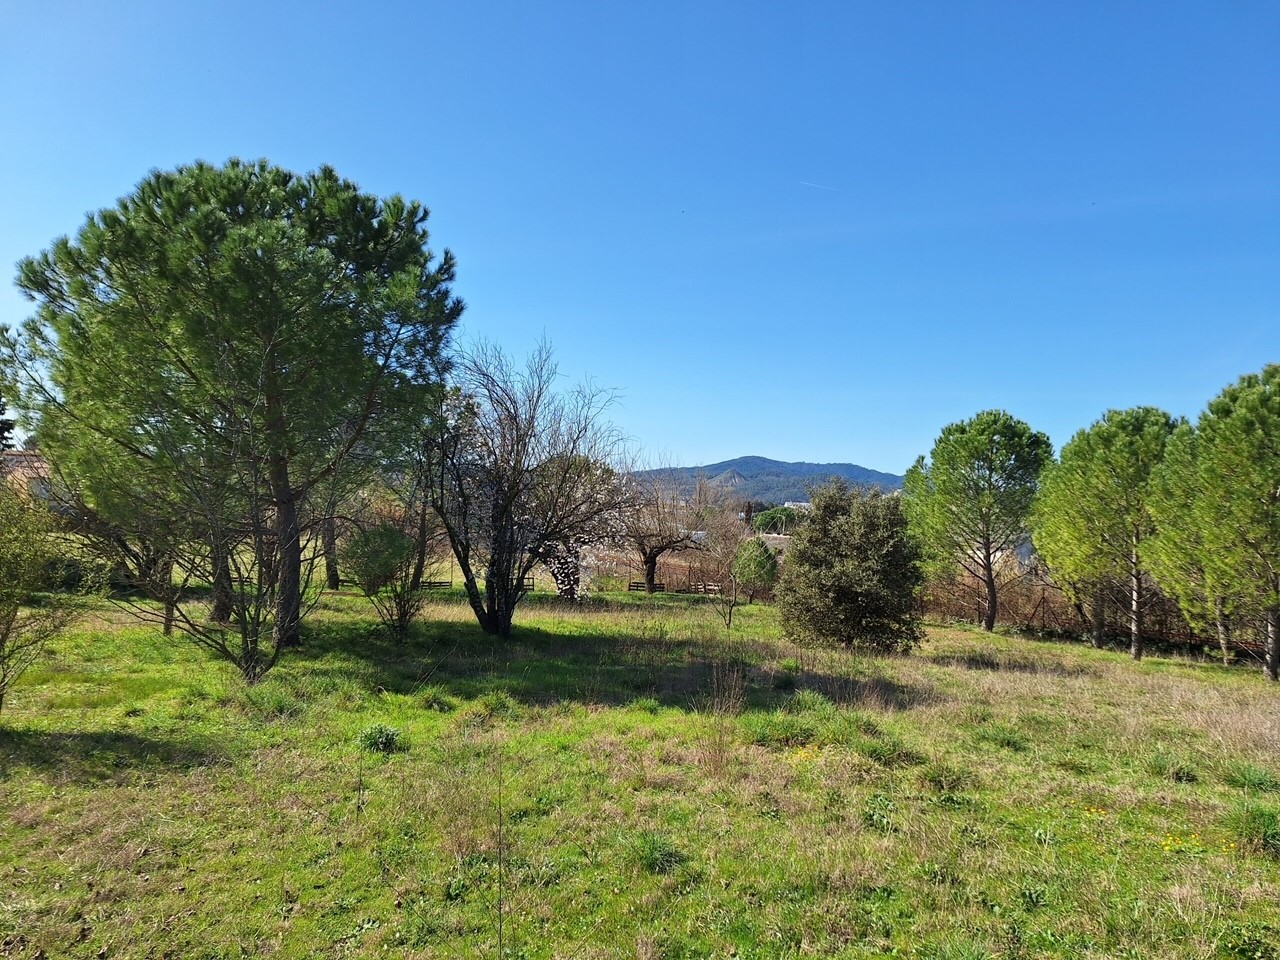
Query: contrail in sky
x=820, y=186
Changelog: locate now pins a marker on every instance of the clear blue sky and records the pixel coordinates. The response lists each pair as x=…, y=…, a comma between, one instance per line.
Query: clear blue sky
x=812, y=231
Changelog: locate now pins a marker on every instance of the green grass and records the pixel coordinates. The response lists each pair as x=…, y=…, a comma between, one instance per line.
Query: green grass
x=625, y=781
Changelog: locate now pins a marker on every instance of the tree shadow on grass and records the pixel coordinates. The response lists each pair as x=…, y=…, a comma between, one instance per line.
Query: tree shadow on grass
x=982, y=660
x=542, y=667
x=98, y=756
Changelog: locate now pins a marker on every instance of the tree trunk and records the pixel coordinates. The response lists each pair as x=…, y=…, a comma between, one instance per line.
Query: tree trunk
x=1271, y=666
x=1224, y=631
x=288, y=624
x=651, y=572
x=329, y=534
x=420, y=556
x=288, y=537
x=222, y=596
x=1135, y=605
x=1098, y=628
x=989, y=579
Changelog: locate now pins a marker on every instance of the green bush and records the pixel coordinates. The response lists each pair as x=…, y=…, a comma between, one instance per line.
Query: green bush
x=852, y=572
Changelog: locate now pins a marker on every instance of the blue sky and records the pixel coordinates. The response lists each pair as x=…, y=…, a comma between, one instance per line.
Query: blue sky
x=816, y=231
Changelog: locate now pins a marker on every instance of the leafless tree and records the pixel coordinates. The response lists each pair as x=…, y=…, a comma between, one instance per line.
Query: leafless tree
x=659, y=520
x=517, y=468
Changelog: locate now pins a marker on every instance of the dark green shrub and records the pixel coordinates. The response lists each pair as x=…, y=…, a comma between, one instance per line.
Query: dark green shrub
x=852, y=572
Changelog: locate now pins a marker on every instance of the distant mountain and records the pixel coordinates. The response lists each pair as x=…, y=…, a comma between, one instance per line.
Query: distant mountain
x=759, y=478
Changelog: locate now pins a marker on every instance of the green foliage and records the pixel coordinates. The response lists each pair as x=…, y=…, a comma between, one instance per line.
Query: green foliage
x=1250, y=776
x=1228, y=491
x=755, y=566
x=851, y=573
x=380, y=738
x=214, y=356
x=968, y=504
x=1170, y=767
x=654, y=853
x=781, y=520
x=1092, y=516
x=6, y=428
x=30, y=561
x=381, y=557
x=377, y=555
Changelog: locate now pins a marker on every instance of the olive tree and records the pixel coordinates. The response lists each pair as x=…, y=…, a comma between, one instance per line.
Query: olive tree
x=851, y=572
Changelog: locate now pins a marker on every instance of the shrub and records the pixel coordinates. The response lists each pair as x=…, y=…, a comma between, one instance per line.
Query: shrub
x=851, y=573
x=381, y=558
x=380, y=738
x=30, y=562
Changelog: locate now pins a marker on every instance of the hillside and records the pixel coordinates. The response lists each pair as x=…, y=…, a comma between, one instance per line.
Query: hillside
x=775, y=481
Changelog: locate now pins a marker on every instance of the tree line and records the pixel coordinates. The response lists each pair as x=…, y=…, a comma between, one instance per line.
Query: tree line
x=1136, y=503
x=239, y=374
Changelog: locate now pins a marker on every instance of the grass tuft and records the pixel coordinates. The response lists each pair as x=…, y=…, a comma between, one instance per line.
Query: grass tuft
x=1249, y=776
x=380, y=738
x=1257, y=829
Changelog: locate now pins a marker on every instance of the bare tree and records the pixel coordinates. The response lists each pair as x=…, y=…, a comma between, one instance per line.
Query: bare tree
x=659, y=521
x=516, y=469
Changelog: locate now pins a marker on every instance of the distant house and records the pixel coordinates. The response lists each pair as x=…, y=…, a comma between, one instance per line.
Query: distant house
x=28, y=472
x=798, y=505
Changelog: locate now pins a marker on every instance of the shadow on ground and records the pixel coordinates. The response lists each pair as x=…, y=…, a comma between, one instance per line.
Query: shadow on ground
x=540, y=667
x=96, y=756
x=982, y=660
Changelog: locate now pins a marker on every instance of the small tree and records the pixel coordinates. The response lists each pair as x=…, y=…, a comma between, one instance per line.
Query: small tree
x=852, y=572
x=756, y=567
x=779, y=520
x=28, y=564
x=380, y=557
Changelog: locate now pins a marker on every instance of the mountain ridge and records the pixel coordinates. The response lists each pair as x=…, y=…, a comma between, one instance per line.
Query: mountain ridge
x=775, y=481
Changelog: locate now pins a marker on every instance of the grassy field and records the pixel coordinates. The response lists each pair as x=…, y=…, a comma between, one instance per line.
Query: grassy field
x=625, y=782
